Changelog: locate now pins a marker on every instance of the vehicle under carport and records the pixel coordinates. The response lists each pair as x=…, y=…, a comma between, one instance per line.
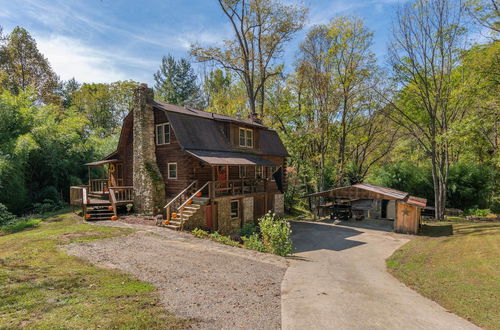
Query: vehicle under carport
x=406, y=210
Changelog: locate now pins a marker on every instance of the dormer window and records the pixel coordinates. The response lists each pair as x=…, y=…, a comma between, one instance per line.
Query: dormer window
x=163, y=134
x=246, y=137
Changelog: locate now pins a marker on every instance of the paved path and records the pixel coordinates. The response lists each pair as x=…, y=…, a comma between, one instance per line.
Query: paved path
x=339, y=281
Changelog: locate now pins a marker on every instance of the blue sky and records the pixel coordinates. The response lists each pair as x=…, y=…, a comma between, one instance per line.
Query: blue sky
x=109, y=40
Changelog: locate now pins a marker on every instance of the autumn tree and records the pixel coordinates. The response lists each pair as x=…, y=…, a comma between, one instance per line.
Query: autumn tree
x=425, y=50
x=224, y=94
x=261, y=29
x=25, y=67
x=176, y=83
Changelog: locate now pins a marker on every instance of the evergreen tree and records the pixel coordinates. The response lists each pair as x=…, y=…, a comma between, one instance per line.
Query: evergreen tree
x=176, y=82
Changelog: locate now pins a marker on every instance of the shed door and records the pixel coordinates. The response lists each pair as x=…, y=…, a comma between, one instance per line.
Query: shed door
x=406, y=219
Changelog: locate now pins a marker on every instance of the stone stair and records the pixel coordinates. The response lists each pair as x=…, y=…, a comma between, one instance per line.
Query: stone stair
x=188, y=212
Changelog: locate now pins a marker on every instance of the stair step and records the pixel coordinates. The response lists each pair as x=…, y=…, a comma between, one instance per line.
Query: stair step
x=200, y=200
x=174, y=227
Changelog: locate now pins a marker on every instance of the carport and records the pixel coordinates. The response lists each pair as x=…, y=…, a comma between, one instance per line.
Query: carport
x=408, y=208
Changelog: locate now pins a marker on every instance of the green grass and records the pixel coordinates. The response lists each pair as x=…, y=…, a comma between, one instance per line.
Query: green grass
x=458, y=266
x=19, y=226
x=42, y=287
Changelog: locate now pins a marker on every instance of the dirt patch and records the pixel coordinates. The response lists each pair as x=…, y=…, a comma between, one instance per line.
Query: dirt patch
x=215, y=285
x=136, y=220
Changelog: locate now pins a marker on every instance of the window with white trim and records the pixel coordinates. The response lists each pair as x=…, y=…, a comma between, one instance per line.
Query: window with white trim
x=172, y=170
x=243, y=172
x=246, y=137
x=163, y=134
x=259, y=172
x=235, y=209
x=272, y=169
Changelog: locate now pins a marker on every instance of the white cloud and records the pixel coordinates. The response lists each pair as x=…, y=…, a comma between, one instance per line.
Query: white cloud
x=72, y=58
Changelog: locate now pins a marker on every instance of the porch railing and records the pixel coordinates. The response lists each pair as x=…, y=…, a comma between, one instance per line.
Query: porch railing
x=120, y=195
x=182, y=197
x=78, y=196
x=237, y=187
x=98, y=185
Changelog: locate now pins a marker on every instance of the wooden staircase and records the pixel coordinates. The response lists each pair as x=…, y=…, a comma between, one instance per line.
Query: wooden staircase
x=187, y=212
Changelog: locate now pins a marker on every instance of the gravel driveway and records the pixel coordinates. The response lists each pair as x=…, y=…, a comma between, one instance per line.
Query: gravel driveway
x=339, y=281
x=217, y=286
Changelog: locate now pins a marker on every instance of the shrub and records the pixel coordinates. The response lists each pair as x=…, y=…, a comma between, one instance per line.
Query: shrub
x=21, y=225
x=6, y=217
x=253, y=242
x=200, y=233
x=247, y=230
x=46, y=206
x=478, y=212
x=223, y=239
x=276, y=234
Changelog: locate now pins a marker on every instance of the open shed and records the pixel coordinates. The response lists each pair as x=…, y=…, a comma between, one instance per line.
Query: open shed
x=407, y=208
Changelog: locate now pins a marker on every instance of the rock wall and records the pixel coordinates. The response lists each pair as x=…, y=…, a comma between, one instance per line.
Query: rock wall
x=248, y=209
x=226, y=224
x=197, y=220
x=149, y=186
x=279, y=204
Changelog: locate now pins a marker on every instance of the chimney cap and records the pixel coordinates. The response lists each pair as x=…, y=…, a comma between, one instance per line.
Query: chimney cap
x=144, y=85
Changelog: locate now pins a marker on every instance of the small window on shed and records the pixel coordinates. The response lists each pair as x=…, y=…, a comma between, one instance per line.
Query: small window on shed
x=235, y=209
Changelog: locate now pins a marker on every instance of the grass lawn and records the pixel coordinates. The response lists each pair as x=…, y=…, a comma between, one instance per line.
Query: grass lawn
x=458, y=266
x=42, y=287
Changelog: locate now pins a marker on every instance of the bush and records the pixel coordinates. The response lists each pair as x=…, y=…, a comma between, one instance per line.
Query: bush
x=223, y=239
x=21, y=225
x=478, y=212
x=200, y=233
x=6, y=217
x=276, y=234
x=253, y=242
x=247, y=230
x=47, y=205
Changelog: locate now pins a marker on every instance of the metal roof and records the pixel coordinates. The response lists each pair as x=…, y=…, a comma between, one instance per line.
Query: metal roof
x=370, y=191
x=228, y=158
x=102, y=162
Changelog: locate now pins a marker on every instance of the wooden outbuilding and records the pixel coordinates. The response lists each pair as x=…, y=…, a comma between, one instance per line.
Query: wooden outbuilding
x=406, y=209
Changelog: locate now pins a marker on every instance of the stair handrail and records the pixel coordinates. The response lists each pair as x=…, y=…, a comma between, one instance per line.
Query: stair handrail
x=112, y=199
x=180, y=208
x=180, y=194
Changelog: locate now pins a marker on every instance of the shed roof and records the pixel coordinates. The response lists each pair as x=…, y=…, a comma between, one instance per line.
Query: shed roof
x=370, y=191
x=228, y=158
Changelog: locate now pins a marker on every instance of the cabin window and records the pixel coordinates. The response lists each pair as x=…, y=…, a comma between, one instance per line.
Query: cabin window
x=235, y=209
x=243, y=172
x=272, y=169
x=172, y=170
x=163, y=134
x=246, y=137
x=259, y=172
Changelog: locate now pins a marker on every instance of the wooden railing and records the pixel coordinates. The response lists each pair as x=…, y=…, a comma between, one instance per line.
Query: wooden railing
x=78, y=196
x=120, y=195
x=98, y=185
x=236, y=187
x=175, y=202
x=180, y=209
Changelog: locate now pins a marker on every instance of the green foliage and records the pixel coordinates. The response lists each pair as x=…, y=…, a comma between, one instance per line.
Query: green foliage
x=253, y=242
x=276, y=234
x=176, y=83
x=247, y=230
x=478, y=212
x=5, y=216
x=223, y=239
x=20, y=226
x=200, y=233
x=47, y=205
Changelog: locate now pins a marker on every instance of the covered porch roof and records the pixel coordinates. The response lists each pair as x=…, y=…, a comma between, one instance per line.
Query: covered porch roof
x=102, y=162
x=229, y=158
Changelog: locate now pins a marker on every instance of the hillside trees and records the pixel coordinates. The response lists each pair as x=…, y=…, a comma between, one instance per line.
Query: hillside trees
x=424, y=53
x=261, y=28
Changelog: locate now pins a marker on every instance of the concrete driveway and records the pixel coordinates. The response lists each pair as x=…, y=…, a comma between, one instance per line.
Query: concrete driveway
x=338, y=281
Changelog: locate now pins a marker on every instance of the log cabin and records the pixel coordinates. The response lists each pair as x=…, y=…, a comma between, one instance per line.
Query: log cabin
x=197, y=168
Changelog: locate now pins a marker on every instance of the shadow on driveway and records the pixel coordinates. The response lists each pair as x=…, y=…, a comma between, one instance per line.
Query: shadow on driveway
x=307, y=236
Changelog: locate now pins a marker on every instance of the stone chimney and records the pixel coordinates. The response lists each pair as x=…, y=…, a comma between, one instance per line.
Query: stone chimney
x=254, y=118
x=149, y=186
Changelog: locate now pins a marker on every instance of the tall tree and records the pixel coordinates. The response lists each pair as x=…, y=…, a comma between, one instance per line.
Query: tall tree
x=426, y=44
x=353, y=65
x=176, y=82
x=486, y=13
x=26, y=67
x=261, y=28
